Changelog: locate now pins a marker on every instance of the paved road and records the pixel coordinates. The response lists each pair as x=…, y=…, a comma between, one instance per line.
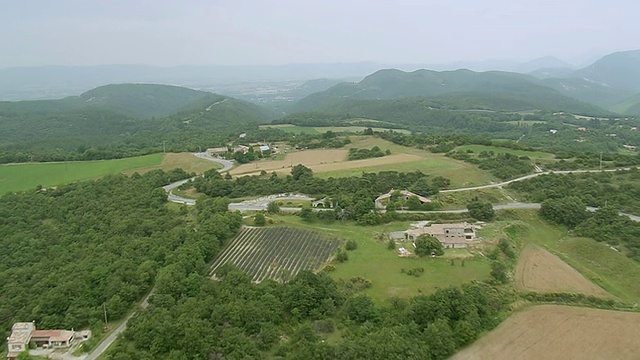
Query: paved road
x=226, y=166
x=531, y=176
x=104, y=345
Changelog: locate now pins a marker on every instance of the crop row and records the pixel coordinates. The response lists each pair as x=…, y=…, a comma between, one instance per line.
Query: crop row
x=277, y=253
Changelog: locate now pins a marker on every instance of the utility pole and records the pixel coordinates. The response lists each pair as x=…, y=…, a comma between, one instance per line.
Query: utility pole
x=601, y=160
x=106, y=323
x=164, y=148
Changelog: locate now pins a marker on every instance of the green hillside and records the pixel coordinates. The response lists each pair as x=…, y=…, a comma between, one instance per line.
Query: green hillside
x=460, y=89
x=142, y=100
x=605, y=83
x=617, y=70
x=631, y=106
x=63, y=130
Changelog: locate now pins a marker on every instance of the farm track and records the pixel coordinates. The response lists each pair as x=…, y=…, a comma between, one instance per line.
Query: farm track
x=276, y=253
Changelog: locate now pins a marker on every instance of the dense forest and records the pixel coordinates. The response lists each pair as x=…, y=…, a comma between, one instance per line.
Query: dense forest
x=69, y=251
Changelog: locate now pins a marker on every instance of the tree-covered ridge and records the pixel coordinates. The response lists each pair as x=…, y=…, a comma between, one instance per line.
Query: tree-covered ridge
x=463, y=89
x=142, y=100
x=69, y=251
x=94, y=132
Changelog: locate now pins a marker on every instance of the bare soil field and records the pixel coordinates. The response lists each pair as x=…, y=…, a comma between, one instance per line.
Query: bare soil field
x=560, y=332
x=307, y=158
x=541, y=271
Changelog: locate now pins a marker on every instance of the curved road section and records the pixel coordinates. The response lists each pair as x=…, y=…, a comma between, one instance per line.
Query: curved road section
x=226, y=166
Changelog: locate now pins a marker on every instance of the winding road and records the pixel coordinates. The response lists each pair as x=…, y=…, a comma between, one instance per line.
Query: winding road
x=497, y=185
x=226, y=166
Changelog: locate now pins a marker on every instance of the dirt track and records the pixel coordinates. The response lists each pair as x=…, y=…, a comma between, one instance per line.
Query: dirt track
x=560, y=332
x=539, y=270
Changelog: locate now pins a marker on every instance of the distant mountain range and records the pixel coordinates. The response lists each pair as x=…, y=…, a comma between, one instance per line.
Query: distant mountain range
x=609, y=83
x=460, y=89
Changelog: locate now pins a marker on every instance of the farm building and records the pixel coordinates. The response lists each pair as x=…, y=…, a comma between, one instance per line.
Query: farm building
x=264, y=148
x=322, y=203
x=382, y=200
x=241, y=148
x=24, y=333
x=217, y=151
x=458, y=235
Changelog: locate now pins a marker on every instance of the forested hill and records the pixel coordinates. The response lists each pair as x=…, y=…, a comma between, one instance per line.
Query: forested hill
x=460, y=89
x=143, y=100
x=134, y=100
x=630, y=106
x=57, y=131
x=605, y=83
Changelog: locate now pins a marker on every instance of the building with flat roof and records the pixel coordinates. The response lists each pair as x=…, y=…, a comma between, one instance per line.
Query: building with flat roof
x=457, y=235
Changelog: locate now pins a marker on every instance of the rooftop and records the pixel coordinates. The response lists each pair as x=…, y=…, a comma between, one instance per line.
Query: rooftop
x=21, y=332
x=53, y=335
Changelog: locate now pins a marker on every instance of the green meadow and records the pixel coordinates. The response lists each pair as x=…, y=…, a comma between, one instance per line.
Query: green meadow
x=372, y=260
x=19, y=177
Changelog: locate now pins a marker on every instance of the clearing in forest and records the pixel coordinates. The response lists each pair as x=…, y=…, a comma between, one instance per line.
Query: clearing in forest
x=560, y=332
x=541, y=271
x=277, y=253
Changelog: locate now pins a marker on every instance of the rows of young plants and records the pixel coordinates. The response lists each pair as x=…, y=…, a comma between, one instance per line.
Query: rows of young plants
x=277, y=253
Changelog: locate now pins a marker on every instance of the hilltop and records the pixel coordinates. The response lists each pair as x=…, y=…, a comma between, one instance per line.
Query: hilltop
x=460, y=89
x=605, y=83
x=142, y=100
x=101, y=123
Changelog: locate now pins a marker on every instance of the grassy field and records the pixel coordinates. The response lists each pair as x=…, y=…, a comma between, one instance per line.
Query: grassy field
x=607, y=268
x=372, y=260
x=19, y=177
x=534, y=155
x=559, y=332
x=186, y=161
x=460, y=199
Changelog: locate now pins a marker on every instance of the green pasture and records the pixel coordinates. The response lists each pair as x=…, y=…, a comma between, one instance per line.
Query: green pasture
x=460, y=173
x=18, y=177
x=383, y=267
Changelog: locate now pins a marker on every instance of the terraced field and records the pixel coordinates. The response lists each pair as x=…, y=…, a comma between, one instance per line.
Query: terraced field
x=277, y=253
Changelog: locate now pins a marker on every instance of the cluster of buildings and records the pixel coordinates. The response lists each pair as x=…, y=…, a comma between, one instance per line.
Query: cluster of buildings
x=238, y=148
x=24, y=336
x=451, y=236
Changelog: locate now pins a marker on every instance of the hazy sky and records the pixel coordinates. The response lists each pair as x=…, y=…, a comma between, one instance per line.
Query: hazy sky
x=160, y=32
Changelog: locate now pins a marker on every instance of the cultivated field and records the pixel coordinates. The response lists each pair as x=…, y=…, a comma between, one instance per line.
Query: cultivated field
x=608, y=268
x=277, y=253
x=541, y=271
x=18, y=177
x=333, y=163
x=309, y=158
x=560, y=332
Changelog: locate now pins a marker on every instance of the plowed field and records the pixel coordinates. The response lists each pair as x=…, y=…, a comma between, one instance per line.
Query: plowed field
x=560, y=332
x=541, y=271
